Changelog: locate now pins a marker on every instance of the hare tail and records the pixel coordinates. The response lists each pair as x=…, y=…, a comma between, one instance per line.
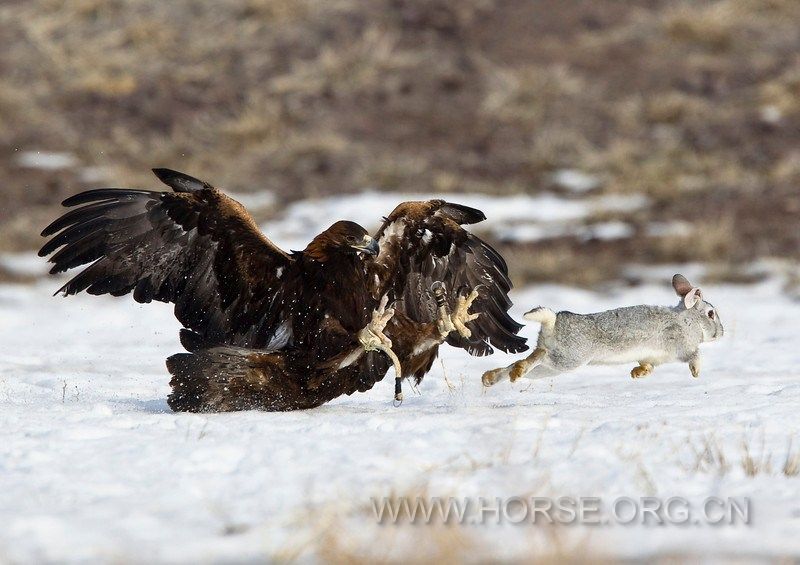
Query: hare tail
x=543, y=315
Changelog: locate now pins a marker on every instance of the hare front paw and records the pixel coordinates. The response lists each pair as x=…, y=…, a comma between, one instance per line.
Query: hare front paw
x=643, y=370
x=518, y=370
x=694, y=365
x=494, y=376
x=513, y=372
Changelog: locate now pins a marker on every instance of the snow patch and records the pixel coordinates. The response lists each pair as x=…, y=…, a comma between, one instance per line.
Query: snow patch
x=46, y=160
x=304, y=219
x=25, y=264
x=604, y=231
x=575, y=180
x=94, y=174
x=608, y=231
x=677, y=228
x=95, y=465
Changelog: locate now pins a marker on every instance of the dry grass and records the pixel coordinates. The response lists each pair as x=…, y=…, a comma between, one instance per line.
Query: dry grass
x=708, y=456
x=693, y=103
x=791, y=464
x=336, y=533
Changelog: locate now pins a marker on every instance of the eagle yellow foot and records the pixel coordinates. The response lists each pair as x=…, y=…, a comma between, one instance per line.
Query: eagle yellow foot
x=372, y=337
x=462, y=315
x=457, y=320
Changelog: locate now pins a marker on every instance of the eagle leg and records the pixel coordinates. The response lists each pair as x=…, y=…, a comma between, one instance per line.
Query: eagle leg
x=372, y=338
x=444, y=324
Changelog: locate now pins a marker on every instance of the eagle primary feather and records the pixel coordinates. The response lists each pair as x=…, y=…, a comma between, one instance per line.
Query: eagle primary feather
x=274, y=330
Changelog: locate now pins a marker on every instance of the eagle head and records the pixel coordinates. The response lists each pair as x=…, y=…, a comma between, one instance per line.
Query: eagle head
x=343, y=237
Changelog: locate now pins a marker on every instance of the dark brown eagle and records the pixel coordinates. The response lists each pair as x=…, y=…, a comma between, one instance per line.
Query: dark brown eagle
x=272, y=330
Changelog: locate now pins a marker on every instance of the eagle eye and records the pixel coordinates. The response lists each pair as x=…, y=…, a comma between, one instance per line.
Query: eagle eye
x=350, y=239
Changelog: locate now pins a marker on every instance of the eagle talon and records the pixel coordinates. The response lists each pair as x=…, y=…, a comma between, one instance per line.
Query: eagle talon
x=445, y=325
x=462, y=316
x=457, y=320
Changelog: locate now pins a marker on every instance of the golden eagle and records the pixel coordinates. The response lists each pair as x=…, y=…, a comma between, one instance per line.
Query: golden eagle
x=272, y=330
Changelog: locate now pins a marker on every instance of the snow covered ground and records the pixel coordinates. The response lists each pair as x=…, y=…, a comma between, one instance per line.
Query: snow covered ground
x=94, y=466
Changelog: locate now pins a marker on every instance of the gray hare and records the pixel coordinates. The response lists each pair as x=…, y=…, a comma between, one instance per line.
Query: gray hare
x=647, y=335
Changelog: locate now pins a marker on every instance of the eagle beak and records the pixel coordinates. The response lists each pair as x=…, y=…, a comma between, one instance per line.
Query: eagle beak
x=369, y=245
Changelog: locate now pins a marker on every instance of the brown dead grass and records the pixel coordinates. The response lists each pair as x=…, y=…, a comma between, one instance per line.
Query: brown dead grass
x=693, y=103
x=707, y=455
x=338, y=533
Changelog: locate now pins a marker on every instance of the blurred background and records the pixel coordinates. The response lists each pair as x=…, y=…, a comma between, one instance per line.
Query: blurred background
x=597, y=134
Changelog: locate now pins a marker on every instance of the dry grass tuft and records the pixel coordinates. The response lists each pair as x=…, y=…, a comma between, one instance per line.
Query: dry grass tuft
x=791, y=464
x=708, y=456
x=336, y=533
x=712, y=26
x=761, y=463
x=753, y=464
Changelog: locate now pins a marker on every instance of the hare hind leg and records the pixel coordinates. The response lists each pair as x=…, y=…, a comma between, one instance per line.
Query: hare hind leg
x=516, y=370
x=643, y=370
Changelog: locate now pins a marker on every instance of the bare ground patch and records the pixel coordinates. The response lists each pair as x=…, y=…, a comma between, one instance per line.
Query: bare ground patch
x=694, y=104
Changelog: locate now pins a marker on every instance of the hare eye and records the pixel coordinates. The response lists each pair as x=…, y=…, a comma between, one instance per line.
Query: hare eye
x=711, y=314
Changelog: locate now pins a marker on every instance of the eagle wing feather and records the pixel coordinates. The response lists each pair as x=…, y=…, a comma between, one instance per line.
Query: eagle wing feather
x=194, y=247
x=423, y=243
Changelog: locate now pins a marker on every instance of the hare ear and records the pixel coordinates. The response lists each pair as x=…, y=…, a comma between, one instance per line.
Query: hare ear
x=681, y=285
x=692, y=297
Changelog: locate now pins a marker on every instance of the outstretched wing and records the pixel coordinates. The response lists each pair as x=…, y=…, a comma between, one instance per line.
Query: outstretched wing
x=423, y=243
x=194, y=247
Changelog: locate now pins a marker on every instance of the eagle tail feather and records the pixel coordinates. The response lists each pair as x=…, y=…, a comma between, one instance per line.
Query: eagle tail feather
x=193, y=341
x=210, y=381
x=226, y=378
